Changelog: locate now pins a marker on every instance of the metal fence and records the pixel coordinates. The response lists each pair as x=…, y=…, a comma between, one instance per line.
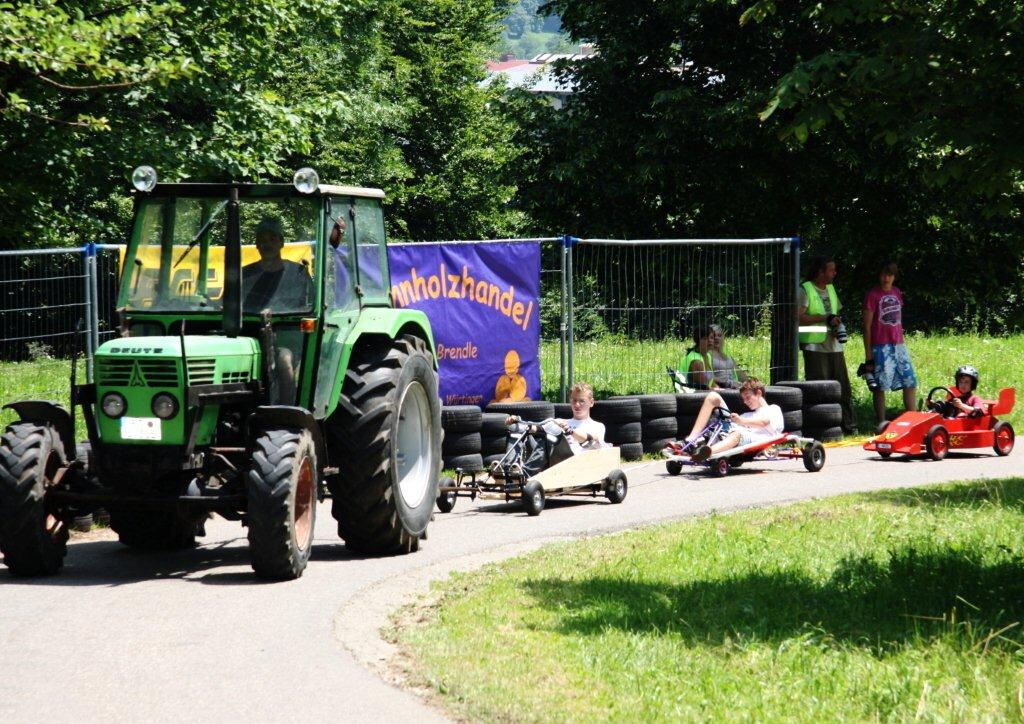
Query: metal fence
x=616, y=312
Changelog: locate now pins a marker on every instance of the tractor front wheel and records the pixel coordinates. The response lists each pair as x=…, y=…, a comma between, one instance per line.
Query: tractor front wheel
x=33, y=537
x=386, y=437
x=281, y=493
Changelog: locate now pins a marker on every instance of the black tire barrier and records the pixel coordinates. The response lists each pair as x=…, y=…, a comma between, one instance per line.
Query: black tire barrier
x=815, y=391
x=688, y=403
x=732, y=400
x=659, y=428
x=826, y=434
x=655, y=406
x=493, y=445
x=792, y=420
x=787, y=398
x=492, y=424
x=460, y=443
x=684, y=425
x=822, y=415
x=563, y=410
x=625, y=409
x=532, y=411
x=657, y=445
x=631, y=451
x=623, y=433
x=460, y=418
x=468, y=463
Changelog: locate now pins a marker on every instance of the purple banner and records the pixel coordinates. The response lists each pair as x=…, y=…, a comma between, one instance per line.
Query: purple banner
x=483, y=302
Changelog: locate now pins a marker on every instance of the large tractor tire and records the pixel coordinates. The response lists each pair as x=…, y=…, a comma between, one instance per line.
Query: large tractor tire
x=386, y=438
x=154, y=530
x=33, y=538
x=281, y=493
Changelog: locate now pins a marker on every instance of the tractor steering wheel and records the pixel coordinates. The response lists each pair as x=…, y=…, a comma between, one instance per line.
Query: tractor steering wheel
x=942, y=406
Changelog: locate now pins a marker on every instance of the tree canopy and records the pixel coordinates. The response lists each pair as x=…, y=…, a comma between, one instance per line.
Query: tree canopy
x=727, y=118
x=382, y=93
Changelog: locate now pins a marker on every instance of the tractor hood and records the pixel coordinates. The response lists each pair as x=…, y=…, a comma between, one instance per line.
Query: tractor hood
x=209, y=360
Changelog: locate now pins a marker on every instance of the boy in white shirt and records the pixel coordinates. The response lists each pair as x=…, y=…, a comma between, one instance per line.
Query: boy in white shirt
x=763, y=422
x=582, y=431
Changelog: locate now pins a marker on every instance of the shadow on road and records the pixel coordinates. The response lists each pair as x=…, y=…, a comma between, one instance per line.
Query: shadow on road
x=109, y=563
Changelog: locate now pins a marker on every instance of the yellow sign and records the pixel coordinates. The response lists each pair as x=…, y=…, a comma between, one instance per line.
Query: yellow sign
x=185, y=274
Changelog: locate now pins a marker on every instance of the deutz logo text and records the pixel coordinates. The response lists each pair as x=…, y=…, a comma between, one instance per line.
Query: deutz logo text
x=137, y=350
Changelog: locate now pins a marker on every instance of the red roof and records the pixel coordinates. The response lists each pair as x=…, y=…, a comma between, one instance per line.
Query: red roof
x=495, y=66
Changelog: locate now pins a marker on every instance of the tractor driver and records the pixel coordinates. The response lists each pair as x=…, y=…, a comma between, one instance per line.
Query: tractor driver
x=272, y=282
x=280, y=285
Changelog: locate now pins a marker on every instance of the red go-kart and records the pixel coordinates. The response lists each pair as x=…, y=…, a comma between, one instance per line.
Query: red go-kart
x=935, y=431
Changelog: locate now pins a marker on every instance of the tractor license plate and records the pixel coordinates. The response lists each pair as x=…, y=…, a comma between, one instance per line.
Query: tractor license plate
x=884, y=446
x=140, y=428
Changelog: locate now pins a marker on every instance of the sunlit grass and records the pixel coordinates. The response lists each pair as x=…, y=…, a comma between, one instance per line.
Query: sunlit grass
x=618, y=367
x=896, y=605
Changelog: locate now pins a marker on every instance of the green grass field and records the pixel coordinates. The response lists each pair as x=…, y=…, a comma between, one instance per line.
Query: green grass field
x=895, y=605
x=631, y=367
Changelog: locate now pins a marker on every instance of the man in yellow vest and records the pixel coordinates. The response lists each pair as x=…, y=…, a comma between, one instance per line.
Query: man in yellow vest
x=819, y=306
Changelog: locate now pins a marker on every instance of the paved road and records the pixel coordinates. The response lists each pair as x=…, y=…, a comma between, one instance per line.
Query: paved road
x=123, y=635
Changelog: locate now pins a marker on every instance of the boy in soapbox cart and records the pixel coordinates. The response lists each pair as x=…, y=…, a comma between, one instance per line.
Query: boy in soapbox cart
x=544, y=459
x=721, y=439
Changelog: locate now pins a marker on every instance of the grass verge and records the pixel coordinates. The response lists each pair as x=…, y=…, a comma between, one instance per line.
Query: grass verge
x=890, y=605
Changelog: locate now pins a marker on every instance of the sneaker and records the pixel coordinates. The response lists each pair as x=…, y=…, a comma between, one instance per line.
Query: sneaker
x=702, y=454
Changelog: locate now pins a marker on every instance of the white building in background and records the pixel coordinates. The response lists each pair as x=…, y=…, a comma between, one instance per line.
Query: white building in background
x=536, y=75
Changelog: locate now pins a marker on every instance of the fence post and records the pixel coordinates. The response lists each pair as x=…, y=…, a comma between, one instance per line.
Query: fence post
x=568, y=242
x=796, y=322
x=562, y=327
x=89, y=267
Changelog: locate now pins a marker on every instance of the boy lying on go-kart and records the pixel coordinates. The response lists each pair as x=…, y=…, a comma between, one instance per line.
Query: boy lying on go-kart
x=724, y=439
x=763, y=422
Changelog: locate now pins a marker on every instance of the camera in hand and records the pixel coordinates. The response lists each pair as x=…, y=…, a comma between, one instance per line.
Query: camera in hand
x=866, y=371
x=839, y=330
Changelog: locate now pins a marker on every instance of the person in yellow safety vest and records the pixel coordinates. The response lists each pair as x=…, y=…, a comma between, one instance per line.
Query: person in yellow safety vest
x=818, y=305
x=696, y=364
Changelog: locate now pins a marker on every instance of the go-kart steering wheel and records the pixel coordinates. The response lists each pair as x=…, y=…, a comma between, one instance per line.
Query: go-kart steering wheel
x=943, y=407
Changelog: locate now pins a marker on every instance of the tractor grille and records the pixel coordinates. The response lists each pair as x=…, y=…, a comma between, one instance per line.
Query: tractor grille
x=201, y=371
x=229, y=377
x=118, y=372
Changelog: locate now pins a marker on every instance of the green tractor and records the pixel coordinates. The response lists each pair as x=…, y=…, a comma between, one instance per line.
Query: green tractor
x=260, y=368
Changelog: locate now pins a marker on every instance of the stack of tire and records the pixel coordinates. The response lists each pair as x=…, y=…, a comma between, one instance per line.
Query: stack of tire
x=789, y=399
x=461, y=445
x=622, y=418
x=822, y=413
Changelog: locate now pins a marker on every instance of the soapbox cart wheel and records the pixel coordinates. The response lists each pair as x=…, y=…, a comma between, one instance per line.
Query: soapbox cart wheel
x=533, y=497
x=814, y=456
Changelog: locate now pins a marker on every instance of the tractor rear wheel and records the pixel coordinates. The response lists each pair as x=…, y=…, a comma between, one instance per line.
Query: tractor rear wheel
x=281, y=493
x=33, y=537
x=386, y=437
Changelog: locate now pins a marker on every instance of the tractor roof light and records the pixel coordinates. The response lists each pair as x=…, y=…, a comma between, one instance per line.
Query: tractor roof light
x=144, y=178
x=306, y=180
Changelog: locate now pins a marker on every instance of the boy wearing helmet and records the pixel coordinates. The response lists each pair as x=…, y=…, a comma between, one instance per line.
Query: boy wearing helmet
x=966, y=403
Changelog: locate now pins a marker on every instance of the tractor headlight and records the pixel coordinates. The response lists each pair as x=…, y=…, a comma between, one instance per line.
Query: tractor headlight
x=144, y=178
x=114, y=404
x=164, y=406
x=306, y=180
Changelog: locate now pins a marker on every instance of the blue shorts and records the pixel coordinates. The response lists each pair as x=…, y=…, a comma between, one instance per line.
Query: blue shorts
x=893, y=369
